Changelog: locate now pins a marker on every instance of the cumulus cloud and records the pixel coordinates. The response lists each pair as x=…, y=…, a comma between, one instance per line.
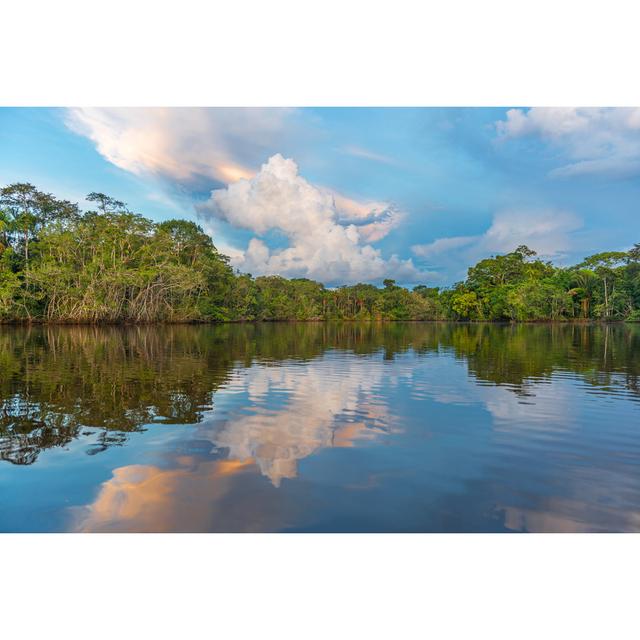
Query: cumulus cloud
x=549, y=232
x=184, y=145
x=326, y=234
x=594, y=140
x=198, y=148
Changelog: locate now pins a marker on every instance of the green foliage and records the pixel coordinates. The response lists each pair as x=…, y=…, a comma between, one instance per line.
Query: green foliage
x=9, y=288
x=634, y=316
x=58, y=264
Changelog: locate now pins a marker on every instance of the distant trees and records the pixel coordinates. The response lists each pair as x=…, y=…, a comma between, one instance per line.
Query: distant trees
x=519, y=287
x=60, y=264
x=603, y=265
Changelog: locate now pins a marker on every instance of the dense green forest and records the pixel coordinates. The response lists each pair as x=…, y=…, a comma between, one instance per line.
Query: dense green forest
x=61, y=264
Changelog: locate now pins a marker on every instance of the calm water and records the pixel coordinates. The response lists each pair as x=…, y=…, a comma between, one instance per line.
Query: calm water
x=320, y=427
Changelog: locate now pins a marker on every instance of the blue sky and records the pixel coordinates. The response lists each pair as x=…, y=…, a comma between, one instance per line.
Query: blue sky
x=344, y=195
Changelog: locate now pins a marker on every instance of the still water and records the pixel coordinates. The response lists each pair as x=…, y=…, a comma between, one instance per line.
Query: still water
x=320, y=427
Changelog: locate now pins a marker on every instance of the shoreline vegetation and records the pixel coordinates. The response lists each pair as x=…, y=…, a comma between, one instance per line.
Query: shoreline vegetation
x=61, y=265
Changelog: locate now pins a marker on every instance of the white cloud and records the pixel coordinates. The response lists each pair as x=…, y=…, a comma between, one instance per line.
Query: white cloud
x=222, y=144
x=595, y=140
x=326, y=234
x=546, y=231
x=548, y=122
x=621, y=166
x=374, y=219
x=187, y=147
x=442, y=245
x=184, y=144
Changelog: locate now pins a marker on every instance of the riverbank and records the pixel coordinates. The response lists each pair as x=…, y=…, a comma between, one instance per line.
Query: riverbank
x=151, y=323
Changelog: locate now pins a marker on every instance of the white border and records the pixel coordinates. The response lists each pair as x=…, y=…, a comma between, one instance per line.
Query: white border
x=333, y=52
x=320, y=586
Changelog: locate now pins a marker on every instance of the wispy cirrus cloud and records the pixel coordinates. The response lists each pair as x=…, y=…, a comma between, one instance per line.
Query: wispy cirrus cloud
x=185, y=145
x=360, y=152
x=603, y=141
x=442, y=246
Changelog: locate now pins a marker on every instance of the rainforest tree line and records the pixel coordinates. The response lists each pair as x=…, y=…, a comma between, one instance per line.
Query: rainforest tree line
x=61, y=264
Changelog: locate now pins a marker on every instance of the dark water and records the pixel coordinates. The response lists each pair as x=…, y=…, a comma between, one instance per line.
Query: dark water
x=320, y=427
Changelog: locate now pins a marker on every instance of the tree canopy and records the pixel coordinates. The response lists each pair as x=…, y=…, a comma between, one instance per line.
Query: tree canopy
x=61, y=264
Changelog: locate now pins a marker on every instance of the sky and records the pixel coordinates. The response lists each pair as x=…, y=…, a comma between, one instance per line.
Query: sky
x=345, y=195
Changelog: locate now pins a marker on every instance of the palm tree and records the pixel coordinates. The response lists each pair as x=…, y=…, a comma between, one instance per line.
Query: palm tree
x=587, y=282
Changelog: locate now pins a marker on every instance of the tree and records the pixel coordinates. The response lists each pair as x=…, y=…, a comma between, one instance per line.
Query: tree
x=21, y=200
x=604, y=265
x=465, y=305
x=585, y=282
x=5, y=227
x=106, y=204
x=633, y=255
x=27, y=210
x=112, y=265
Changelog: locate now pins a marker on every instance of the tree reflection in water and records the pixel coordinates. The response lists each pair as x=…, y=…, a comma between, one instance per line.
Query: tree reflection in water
x=62, y=383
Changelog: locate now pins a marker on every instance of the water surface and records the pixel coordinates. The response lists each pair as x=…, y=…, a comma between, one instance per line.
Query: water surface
x=320, y=427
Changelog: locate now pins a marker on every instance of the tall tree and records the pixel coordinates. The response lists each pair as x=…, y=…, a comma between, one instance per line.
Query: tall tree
x=604, y=266
x=105, y=203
